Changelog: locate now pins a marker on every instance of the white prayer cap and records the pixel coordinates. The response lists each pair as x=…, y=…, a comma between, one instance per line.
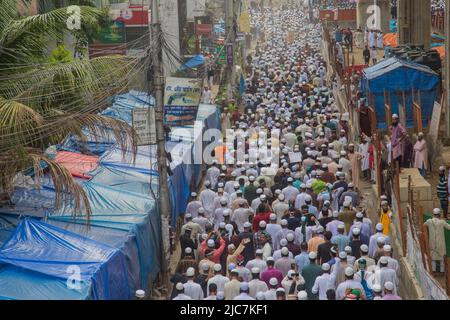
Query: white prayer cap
x=283, y=242
x=341, y=226
x=335, y=214
x=244, y=286
x=205, y=267
x=255, y=270
x=312, y=255
x=284, y=222
x=349, y=271
x=343, y=153
x=347, y=204
x=251, y=178
x=223, y=201
x=290, y=237
x=359, y=215
x=217, y=267
x=273, y=281
x=356, y=231
x=190, y=272
x=376, y=288
x=379, y=227
x=201, y=210
x=395, y=116
x=211, y=243
x=278, y=191
x=263, y=197
x=262, y=224
x=188, y=250
x=207, y=183
x=384, y=260
x=364, y=248
x=236, y=185
x=381, y=240
x=247, y=225
x=270, y=259
x=259, y=252
x=179, y=286
x=326, y=267
x=342, y=255
x=348, y=249
x=437, y=212
x=442, y=168
x=350, y=185
x=226, y=212
x=204, y=236
x=273, y=217
x=231, y=247
x=188, y=216
x=284, y=251
x=389, y=286
x=260, y=296
x=384, y=202
x=387, y=248
x=193, y=194
x=259, y=191
x=302, y=295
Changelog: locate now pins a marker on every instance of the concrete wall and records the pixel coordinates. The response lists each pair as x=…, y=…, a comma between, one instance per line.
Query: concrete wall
x=366, y=17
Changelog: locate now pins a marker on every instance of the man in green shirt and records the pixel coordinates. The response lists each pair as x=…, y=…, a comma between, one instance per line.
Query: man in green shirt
x=310, y=272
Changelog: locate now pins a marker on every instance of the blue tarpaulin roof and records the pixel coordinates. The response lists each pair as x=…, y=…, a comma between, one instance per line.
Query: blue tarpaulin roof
x=39, y=247
x=125, y=225
x=194, y=62
x=395, y=76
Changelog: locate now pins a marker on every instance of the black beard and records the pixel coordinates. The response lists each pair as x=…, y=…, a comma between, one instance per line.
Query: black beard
x=395, y=124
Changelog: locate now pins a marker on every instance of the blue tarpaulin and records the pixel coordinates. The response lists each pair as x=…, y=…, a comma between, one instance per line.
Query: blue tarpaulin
x=39, y=247
x=123, y=238
x=194, y=62
x=395, y=76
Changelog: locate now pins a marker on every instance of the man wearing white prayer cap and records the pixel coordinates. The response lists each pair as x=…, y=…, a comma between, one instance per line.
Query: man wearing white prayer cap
x=244, y=292
x=373, y=240
x=218, y=278
x=389, y=294
x=271, y=294
x=256, y=284
x=179, y=287
x=192, y=289
x=349, y=283
x=324, y=282
x=436, y=230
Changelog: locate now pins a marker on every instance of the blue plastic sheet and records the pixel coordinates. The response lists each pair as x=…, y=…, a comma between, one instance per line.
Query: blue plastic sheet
x=196, y=61
x=393, y=76
x=43, y=248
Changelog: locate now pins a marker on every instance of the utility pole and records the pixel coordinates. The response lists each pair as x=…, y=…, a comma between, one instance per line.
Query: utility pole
x=231, y=36
x=158, y=83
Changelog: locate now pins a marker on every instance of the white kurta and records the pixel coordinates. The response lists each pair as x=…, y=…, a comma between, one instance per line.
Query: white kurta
x=207, y=198
x=322, y=284
x=193, y=290
x=436, y=237
x=256, y=286
x=364, y=150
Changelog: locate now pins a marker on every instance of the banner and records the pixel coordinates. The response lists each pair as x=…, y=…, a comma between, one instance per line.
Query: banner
x=113, y=32
x=144, y=123
x=195, y=8
x=203, y=29
x=181, y=100
x=244, y=22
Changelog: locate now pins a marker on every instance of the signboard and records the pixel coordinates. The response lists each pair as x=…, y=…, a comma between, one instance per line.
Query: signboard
x=244, y=22
x=220, y=50
x=181, y=100
x=130, y=15
x=195, y=8
x=230, y=55
x=203, y=29
x=144, y=123
x=240, y=36
x=114, y=32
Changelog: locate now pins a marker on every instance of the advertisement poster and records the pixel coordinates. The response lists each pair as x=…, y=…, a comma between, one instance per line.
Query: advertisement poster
x=181, y=100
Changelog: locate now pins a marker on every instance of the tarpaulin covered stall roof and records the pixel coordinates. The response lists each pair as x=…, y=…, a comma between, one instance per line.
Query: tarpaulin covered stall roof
x=44, y=249
x=78, y=164
x=395, y=76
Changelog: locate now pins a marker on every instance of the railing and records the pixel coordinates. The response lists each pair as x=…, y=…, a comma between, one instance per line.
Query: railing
x=438, y=21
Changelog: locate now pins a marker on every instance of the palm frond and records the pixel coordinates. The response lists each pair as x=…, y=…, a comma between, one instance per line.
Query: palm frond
x=17, y=117
x=67, y=191
x=50, y=23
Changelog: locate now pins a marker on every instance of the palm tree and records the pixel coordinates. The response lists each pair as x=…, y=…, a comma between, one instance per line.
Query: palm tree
x=43, y=100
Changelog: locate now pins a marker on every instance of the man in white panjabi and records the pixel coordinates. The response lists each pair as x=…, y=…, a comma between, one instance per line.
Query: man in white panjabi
x=436, y=237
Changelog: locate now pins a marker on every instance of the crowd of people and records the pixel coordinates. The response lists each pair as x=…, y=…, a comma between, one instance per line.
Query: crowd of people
x=290, y=225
